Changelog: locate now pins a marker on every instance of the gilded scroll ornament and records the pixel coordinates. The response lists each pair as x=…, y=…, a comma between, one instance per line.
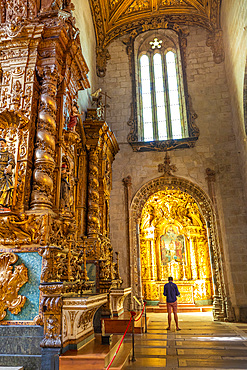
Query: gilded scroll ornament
x=11, y=282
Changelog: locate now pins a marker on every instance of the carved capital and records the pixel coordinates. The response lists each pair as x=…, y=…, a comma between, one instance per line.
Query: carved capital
x=127, y=181
x=215, y=42
x=210, y=175
x=102, y=56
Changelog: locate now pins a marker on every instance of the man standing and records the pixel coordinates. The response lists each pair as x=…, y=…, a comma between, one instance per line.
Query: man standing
x=171, y=292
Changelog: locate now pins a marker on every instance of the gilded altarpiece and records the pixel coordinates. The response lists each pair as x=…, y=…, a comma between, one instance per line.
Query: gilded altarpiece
x=55, y=173
x=174, y=243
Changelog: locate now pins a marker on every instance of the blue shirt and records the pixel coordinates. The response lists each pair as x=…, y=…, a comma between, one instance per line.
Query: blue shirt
x=171, y=292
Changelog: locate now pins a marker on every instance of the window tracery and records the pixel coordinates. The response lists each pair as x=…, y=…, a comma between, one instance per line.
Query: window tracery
x=161, y=118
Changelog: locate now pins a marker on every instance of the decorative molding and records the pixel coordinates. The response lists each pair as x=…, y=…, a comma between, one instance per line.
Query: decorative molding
x=78, y=314
x=117, y=297
x=167, y=168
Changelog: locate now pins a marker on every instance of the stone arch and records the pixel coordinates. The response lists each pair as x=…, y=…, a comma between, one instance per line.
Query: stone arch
x=221, y=303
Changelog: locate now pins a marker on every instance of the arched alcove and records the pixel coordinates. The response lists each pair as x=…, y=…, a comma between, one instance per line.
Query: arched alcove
x=221, y=306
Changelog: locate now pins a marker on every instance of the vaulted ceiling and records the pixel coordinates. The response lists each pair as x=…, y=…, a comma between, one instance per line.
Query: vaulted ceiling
x=113, y=18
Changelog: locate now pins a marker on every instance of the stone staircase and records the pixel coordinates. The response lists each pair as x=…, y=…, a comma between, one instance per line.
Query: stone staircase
x=20, y=346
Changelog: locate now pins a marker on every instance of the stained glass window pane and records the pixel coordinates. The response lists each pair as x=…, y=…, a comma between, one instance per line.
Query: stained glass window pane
x=159, y=94
x=173, y=95
x=146, y=99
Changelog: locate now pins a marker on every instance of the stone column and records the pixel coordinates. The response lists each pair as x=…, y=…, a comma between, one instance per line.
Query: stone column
x=44, y=163
x=127, y=197
x=222, y=304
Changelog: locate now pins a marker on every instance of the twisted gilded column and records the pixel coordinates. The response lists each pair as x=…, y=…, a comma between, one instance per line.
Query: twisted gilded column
x=93, y=224
x=44, y=163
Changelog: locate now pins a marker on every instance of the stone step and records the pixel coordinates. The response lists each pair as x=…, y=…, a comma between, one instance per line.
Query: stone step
x=95, y=356
x=181, y=308
x=21, y=331
x=118, y=325
x=20, y=345
x=27, y=362
x=11, y=368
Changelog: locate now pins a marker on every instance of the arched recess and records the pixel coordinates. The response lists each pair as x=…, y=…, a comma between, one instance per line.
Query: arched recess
x=221, y=302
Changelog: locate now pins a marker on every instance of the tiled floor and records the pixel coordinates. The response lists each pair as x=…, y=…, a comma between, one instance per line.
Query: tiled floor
x=201, y=344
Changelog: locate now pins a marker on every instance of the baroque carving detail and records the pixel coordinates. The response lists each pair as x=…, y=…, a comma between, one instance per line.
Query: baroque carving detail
x=44, y=164
x=19, y=230
x=11, y=281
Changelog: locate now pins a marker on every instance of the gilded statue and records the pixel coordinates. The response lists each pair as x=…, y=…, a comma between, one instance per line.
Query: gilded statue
x=73, y=118
x=7, y=163
x=65, y=188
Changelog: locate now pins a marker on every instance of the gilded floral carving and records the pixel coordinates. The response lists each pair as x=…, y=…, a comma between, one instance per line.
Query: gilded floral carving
x=11, y=282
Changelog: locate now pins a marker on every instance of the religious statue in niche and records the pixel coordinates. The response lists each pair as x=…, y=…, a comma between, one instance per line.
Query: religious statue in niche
x=97, y=97
x=73, y=119
x=65, y=188
x=172, y=247
x=7, y=163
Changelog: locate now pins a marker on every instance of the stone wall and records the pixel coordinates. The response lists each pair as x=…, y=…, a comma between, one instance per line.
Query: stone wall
x=215, y=149
x=234, y=25
x=84, y=22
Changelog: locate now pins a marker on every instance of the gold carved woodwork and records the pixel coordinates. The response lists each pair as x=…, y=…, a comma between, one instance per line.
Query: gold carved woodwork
x=52, y=314
x=113, y=20
x=207, y=211
x=44, y=163
x=173, y=242
x=102, y=147
x=11, y=282
x=23, y=229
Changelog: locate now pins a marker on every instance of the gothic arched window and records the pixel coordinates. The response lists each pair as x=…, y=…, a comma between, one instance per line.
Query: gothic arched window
x=161, y=117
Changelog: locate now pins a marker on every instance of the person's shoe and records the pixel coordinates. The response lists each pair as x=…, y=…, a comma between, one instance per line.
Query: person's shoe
x=168, y=328
x=178, y=329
